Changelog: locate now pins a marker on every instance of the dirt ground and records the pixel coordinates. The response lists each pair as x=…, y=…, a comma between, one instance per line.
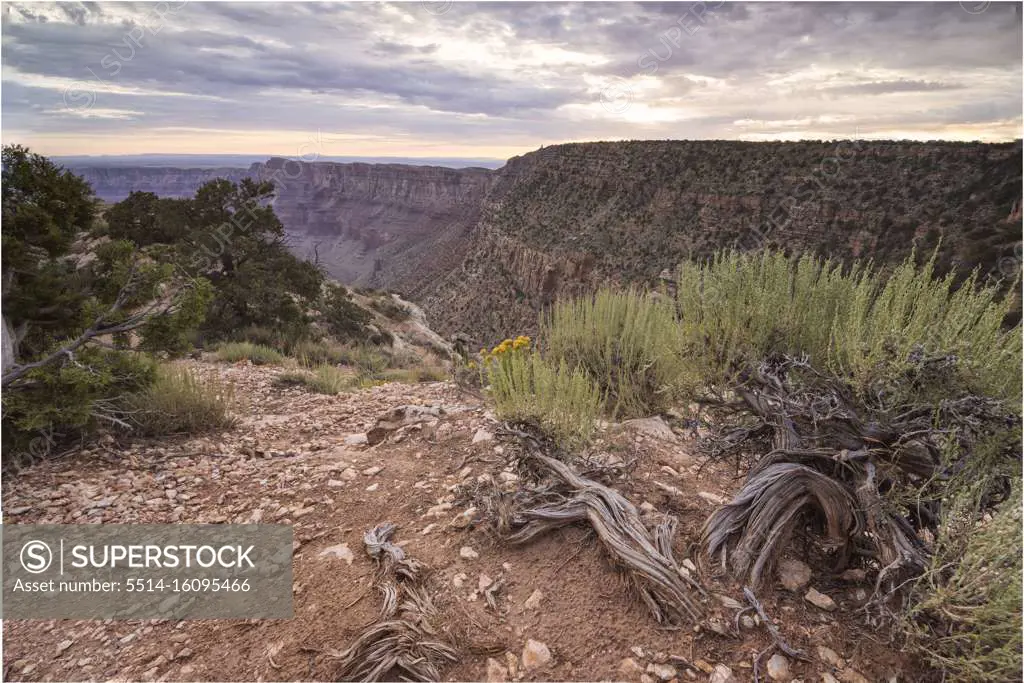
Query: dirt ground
x=287, y=462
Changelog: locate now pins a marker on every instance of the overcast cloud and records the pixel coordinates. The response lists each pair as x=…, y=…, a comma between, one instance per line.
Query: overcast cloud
x=437, y=78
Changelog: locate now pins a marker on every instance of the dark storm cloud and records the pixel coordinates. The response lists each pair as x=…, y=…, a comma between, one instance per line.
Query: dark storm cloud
x=509, y=73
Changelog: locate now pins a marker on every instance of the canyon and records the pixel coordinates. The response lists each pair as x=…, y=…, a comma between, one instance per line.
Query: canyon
x=484, y=251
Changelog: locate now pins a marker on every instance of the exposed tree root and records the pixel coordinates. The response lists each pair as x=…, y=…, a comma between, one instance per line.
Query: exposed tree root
x=403, y=644
x=569, y=498
x=871, y=480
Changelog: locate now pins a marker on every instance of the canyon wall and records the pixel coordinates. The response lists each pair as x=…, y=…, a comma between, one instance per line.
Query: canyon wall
x=388, y=226
x=569, y=217
x=112, y=183
x=485, y=251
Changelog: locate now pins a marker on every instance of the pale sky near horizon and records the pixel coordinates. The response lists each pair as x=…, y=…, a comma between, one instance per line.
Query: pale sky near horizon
x=441, y=78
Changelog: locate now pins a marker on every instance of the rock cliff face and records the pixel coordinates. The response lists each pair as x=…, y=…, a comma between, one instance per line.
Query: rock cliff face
x=112, y=184
x=567, y=218
x=382, y=225
x=484, y=251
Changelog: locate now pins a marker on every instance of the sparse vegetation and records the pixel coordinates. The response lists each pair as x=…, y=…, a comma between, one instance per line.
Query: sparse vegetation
x=527, y=388
x=233, y=352
x=322, y=379
x=179, y=402
x=912, y=377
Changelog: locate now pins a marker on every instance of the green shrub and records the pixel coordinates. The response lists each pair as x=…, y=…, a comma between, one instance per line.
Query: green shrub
x=178, y=402
x=390, y=308
x=968, y=618
x=324, y=379
x=312, y=354
x=563, y=400
x=627, y=342
x=232, y=352
x=865, y=327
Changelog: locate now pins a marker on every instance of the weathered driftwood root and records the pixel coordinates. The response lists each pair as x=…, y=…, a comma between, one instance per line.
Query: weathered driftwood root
x=667, y=590
x=869, y=479
x=403, y=644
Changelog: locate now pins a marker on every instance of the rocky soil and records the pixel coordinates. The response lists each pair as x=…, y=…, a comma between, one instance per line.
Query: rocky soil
x=560, y=612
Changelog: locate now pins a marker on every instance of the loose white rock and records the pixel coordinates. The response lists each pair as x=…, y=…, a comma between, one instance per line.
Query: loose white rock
x=820, y=600
x=467, y=553
x=629, y=669
x=340, y=551
x=533, y=602
x=793, y=574
x=535, y=655
x=355, y=439
x=482, y=435
x=778, y=668
x=370, y=471
x=830, y=657
x=496, y=673
x=664, y=672
x=722, y=674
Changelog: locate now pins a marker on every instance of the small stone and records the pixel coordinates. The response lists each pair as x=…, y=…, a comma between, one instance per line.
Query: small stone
x=428, y=528
x=535, y=655
x=512, y=662
x=484, y=582
x=64, y=645
x=712, y=498
x=748, y=621
x=335, y=483
x=828, y=678
x=647, y=678
x=482, y=435
x=629, y=669
x=853, y=575
x=830, y=657
x=820, y=600
x=722, y=674
x=852, y=676
x=664, y=672
x=646, y=507
x=463, y=519
x=496, y=673
x=186, y=671
x=533, y=602
x=638, y=651
x=373, y=487
x=349, y=474
x=793, y=574
x=508, y=477
x=467, y=553
x=459, y=580
x=370, y=471
x=340, y=551
x=778, y=668
x=355, y=439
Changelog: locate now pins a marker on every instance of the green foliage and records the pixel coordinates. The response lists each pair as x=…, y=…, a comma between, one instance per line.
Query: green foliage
x=312, y=354
x=967, y=616
x=66, y=293
x=232, y=352
x=388, y=307
x=323, y=379
x=562, y=399
x=344, y=318
x=626, y=342
x=178, y=402
x=62, y=399
x=229, y=235
x=865, y=327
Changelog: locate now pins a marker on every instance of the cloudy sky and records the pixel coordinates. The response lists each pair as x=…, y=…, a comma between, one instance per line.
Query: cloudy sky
x=442, y=78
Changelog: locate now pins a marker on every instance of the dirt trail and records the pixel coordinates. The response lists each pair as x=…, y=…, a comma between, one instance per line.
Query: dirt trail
x=288, y=462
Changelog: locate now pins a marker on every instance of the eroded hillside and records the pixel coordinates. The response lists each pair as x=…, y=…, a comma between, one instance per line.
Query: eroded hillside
x=565, y=218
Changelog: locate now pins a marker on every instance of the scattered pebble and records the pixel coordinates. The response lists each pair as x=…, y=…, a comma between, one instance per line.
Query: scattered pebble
x=533, y=602
x=535, y=655
x=820, y=600
x=778, y=668
x=467, y=553
x=793, y=574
